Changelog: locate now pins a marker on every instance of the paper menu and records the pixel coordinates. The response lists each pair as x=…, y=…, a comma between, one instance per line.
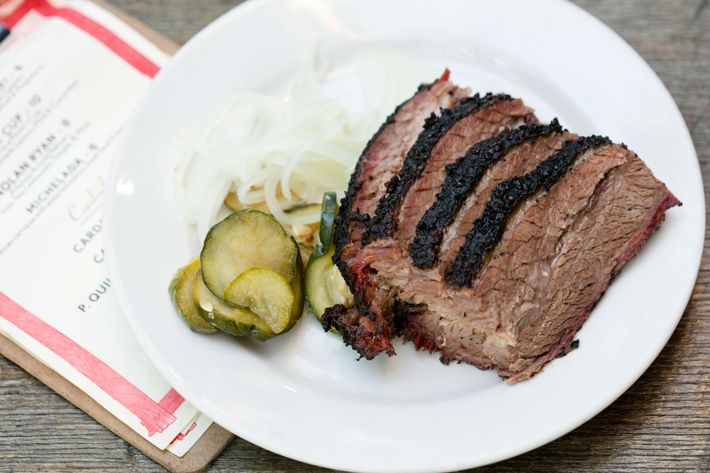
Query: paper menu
x=70, y=74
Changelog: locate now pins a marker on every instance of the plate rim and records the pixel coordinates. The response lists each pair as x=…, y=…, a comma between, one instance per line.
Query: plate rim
x=275, y=446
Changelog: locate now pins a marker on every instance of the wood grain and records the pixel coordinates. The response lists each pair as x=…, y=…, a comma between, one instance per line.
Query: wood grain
x=661, y=424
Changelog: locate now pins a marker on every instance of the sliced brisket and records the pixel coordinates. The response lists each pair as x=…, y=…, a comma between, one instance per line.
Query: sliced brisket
x=507, y=155
x=560, y=253
x=561, y=247
x=473, y=120
x=380, y=160
x=489, y=227
x=462, y=177
x=520, y=160
x=493, y=238
x=447, y=138
x=385, y=219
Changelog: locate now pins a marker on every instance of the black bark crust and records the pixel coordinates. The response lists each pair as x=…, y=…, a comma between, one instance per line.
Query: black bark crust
x=462, y=177
x=488, y=229
x=383, y=224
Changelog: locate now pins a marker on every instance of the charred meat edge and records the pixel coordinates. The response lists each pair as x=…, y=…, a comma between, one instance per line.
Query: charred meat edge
x=354, y=328
x=488, y=229
x=463, y=176
x=384, y=223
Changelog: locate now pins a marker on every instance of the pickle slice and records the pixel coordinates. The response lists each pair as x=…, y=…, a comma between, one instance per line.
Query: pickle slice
x=246, y=239
x=233, y=320
x=181, y=291
x=266, y=293
x=325, y=286
x=329, y=209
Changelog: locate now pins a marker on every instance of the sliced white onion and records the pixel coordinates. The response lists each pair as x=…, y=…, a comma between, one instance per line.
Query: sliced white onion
x=287, y=151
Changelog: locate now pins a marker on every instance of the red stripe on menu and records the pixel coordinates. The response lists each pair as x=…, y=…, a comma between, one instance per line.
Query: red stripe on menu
x=179, y=437
x=171, y=401
x=86, y=24
x=155, y=416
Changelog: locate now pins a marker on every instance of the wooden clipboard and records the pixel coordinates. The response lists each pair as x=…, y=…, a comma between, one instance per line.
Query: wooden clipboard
x=212, y=442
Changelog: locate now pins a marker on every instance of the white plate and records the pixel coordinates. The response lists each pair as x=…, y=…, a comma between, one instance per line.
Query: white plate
x=304, y=395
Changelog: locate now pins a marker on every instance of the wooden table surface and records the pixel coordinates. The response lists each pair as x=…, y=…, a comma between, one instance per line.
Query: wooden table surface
x=661, y=424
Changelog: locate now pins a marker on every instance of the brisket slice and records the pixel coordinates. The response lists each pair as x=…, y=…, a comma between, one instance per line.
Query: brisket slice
x=489, y=227
x=521, y=160
x=474, y=120
x=509, y=154
x=380, y=160
x=566, y=247
x=384, y=222
x=562, y=245
x=462, y=177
